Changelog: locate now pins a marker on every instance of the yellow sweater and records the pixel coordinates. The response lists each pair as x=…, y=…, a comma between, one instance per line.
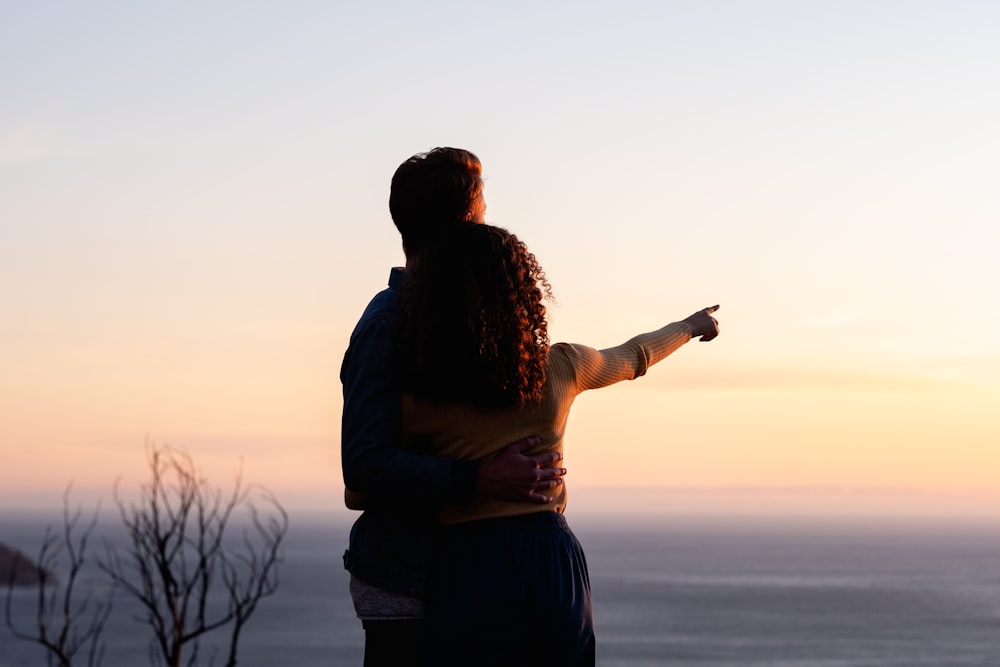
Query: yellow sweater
x=464, y=432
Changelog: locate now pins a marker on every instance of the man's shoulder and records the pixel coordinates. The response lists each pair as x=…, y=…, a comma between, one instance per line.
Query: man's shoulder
x=383, y=304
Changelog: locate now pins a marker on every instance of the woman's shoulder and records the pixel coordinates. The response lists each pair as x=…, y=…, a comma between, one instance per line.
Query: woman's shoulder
x=560, y=350
x=569, y=349
x=570, y=354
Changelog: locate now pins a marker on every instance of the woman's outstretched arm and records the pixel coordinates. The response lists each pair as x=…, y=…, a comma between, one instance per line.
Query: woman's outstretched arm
x=599, y=368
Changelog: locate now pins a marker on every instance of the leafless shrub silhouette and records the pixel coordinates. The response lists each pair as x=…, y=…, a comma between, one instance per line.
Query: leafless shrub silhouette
x=187, y=576
x=182, y=564
x=65, y=625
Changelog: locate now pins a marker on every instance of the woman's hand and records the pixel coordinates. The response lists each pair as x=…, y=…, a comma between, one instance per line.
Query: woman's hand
x=703, y=324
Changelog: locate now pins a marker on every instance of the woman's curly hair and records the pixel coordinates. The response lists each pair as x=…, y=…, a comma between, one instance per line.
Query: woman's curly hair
x=472, y=324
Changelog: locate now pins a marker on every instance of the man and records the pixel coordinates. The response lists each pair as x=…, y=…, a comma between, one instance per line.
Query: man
x=393, y=542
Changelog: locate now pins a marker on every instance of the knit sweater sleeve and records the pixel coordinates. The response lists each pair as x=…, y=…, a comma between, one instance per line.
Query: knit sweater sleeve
x=594, y=368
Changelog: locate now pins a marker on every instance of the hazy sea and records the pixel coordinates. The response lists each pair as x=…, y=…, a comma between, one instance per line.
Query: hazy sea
x=711, y=592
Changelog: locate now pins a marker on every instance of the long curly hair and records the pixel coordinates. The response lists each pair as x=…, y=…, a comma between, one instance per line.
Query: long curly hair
x=472, y=325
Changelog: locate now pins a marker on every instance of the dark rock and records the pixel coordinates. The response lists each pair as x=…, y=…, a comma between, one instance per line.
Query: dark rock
x=15, y=564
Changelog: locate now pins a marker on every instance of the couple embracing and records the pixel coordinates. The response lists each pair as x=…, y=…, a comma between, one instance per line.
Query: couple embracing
x=455, y=407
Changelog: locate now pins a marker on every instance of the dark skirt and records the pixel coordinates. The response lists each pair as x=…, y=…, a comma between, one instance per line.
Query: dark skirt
x=511, y=591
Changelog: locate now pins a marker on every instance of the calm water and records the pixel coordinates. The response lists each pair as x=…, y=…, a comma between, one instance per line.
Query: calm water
x=711, y=593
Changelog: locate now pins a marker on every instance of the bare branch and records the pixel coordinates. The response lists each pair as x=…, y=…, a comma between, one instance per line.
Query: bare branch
x=180, y=560
x=80, y=624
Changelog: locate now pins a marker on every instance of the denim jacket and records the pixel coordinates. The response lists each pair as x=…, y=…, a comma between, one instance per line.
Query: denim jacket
x=392, y=544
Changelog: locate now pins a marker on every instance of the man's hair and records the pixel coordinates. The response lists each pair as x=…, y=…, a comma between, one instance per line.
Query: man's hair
x=433, y=190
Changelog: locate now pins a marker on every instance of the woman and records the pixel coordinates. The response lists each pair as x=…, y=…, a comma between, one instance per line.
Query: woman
x=511, y=586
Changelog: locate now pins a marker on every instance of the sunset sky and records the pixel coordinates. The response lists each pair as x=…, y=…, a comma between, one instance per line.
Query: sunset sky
x=193, y=214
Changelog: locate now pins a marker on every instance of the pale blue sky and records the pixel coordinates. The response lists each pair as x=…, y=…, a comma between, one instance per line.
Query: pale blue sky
x=193, y=214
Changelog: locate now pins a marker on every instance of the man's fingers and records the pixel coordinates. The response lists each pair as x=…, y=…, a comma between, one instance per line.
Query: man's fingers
x=522, y=446
x=546, y=474
x=535, y=495
x=543, y=460
x=538, y=499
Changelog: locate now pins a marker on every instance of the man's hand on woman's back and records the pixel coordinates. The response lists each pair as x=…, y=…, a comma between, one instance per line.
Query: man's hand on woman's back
x=514, y=475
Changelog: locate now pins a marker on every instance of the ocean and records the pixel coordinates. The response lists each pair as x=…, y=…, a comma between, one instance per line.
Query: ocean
x=680, y=591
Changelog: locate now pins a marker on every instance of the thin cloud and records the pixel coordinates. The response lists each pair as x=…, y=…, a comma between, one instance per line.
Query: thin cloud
x=790, y=379
x=835, y=320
